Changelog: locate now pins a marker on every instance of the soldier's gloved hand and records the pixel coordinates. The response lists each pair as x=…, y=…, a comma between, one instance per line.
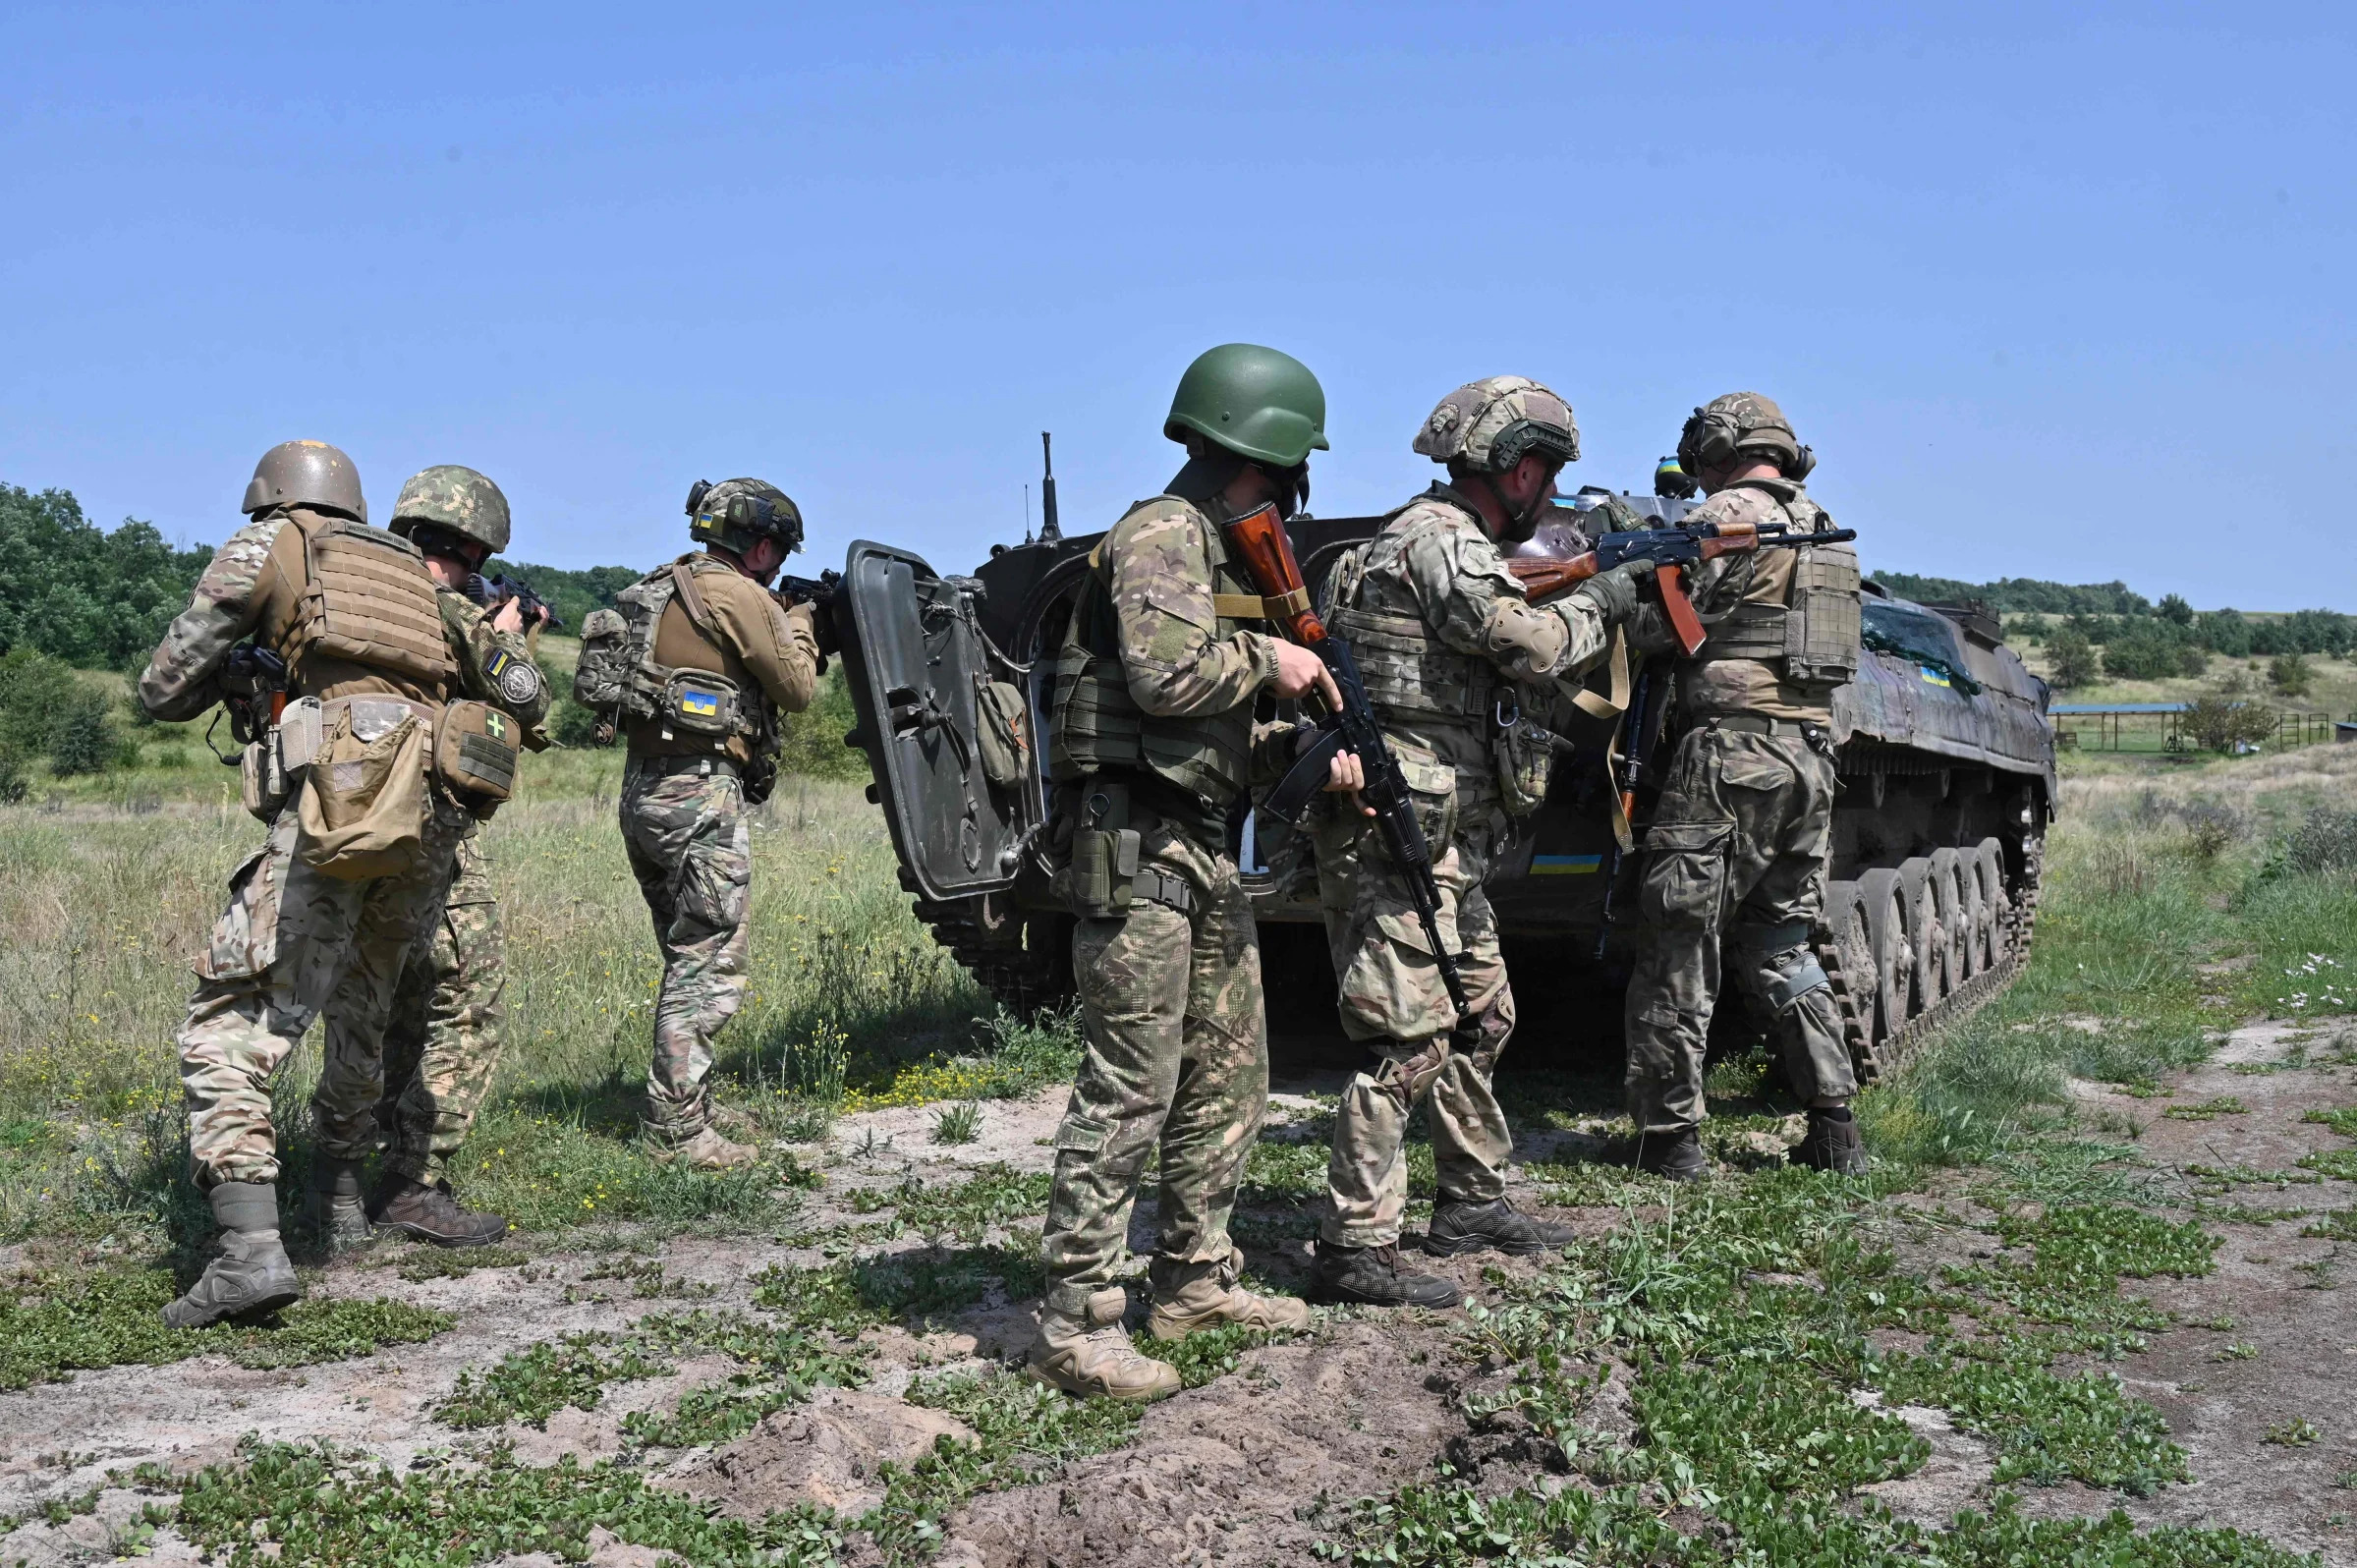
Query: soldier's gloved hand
x=801, y=618
x=1612, y=595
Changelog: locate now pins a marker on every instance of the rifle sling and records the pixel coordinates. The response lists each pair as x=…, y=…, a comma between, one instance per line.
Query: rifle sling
x=691, y=599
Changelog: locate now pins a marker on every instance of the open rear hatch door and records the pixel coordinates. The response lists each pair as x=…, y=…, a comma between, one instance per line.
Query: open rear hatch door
x=917, y=665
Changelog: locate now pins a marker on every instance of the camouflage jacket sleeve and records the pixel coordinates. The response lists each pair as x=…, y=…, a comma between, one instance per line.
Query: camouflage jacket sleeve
x=778, y=646
x=1714, y=586
x=493, y=666
x=180, y=679
x=1475, y=606
x=1178, y=665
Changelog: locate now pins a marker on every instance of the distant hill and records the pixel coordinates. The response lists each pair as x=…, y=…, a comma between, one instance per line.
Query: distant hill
x=2020, y=594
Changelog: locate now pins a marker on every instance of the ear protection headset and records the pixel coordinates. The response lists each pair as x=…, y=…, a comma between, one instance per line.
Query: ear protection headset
x=746, y=514
x=1712, y=438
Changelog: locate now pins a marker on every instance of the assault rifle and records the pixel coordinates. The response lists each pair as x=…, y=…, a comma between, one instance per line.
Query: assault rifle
x=253, y=688
x=1674, y=552
x=491, y=592
x=1260, y=540
x=820, y=594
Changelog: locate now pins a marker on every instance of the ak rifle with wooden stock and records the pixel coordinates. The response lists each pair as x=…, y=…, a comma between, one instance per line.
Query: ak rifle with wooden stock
x=1675, y=551
x=1258, y=538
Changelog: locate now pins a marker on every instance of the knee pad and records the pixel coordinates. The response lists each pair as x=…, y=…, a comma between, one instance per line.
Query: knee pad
x=1405, y=1077
x=1795, y=974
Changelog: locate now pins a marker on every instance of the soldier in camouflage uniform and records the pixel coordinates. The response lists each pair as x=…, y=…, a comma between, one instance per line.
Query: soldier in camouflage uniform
x=1735, y=858
x=697, y=661
x=363, y=829
x=1153, y=744
x=443, y=1039
x=1449, y=646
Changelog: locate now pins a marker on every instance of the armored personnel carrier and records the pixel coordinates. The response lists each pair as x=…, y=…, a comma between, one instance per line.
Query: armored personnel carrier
x=1945, y=756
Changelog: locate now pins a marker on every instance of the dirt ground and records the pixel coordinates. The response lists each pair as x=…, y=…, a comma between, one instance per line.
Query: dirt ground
x=1224, y=1473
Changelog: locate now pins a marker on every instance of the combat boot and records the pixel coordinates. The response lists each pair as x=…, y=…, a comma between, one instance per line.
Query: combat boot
x=1460, y=1227
x=706, y=1151
x=1190, y=1297
x=1831, y=1143
x=1370, y=1276
x=1090, y=1353
x=1673, y=1156
x=429, y=1212
x=332, y=1205
x=251, y=1276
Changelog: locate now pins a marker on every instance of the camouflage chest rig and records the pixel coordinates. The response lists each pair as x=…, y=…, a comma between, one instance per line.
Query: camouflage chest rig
x=1101, y=742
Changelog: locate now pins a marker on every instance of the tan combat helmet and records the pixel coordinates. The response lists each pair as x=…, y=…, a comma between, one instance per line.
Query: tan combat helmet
x=1490, y=424
x=1727, y=427
x=456, y=500
x=306, y=473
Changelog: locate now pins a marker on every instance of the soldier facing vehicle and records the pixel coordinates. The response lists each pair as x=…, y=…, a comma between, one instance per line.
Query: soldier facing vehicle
x=399, y=719
x=1738, y=848
x=1462, y=671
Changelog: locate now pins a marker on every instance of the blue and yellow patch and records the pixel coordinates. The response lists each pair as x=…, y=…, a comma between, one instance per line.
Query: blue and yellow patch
x=1565, y=864
x=1934, y=677
x=703, y=704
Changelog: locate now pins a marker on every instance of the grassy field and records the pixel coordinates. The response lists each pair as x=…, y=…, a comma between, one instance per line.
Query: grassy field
x=2183, y=900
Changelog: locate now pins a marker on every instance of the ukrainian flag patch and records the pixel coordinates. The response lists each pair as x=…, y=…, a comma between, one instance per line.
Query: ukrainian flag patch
x=1934, y=677
x=703, y=704
x=1565, y=864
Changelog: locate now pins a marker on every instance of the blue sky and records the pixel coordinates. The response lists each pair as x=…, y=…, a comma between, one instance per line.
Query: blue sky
x=2055, y=292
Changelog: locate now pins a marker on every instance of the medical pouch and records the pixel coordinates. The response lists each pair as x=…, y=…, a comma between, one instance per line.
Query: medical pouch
x=475, y=751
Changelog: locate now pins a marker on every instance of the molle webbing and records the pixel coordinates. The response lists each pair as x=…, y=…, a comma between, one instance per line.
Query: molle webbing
x=368, y=598
x=1407, y=670
x=1750, y=631
x=1098, y=726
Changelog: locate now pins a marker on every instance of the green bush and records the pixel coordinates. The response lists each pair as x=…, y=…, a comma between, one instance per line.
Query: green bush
x=811, y=743
x=2324, y=841
x=2074, y=659
x=2218, y=723
x=81, y=737
x=2289, y=674
x=89, y=597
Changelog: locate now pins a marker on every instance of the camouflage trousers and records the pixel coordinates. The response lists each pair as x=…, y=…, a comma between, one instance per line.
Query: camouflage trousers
x=1391, y=998
x=1735, y=873
x=692, y=851
x=291, y=943
x=1177, y=1056
x=442, y=1042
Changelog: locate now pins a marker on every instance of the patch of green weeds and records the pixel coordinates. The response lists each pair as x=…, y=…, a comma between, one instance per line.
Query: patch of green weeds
x=2339, y=1224
x=287, y=1505
x=54, y=1324
x=2046, y=1429
x=2208, y=1110
x=421, y=1262
x=2299, y=1432
x=558, y=1171
x=1594, y=1184
x=1021, y=1430
x=961, y=1123
x=2338, y=1164
x=573, y=1370
x=2215, y=1180
x=2342, y=1119
x=646, y=1278
x=1736, y=1421
x=993, y=1196
x=856, y=1294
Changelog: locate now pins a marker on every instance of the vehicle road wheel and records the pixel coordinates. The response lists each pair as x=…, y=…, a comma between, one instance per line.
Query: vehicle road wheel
x=1893, y=972
x=1971, y=950
x=1921, y=912
x=1997, y=908
x=1844, y=928
x=1953, y=914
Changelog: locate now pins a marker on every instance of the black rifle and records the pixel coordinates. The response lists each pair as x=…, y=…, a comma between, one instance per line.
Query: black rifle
x=1260, y=539
x=820, y=594
x=253, y=688
x=491, y=592
x=1673, y=551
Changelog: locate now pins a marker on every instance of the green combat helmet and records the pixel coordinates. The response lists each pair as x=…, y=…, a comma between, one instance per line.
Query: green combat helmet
x=1490, y=424
x=736, y=512
x=1257, y=403
x=455, y=500
x=306, y=474
x=1739, y=423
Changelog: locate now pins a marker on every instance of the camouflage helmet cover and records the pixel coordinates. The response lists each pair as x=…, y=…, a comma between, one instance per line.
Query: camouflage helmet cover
x=1258, y=403
x=457, y=500
x=306, y=474
x=734, y=512
x=1490, y=424
x=1739, y=423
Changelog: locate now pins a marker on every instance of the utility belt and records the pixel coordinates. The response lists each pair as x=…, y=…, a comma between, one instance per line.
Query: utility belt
x=470, y=748
x=1103, y=880
x=666, y=766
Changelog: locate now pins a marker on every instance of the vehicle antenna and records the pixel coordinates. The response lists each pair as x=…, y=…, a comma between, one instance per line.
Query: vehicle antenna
x=1050, y=532
x=1026, y=514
